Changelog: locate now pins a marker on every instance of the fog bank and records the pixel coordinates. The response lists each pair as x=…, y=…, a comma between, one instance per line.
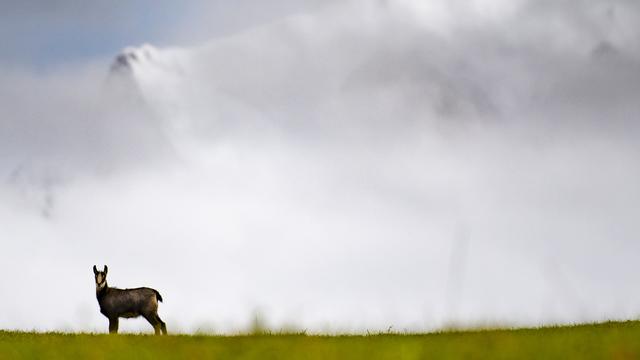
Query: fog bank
x=360, y=166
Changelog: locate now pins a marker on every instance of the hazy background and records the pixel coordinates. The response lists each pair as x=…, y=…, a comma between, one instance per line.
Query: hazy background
x=331, y=166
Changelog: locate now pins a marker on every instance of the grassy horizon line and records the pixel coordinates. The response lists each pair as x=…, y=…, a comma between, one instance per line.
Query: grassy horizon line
x=601, y=340
x=304, y=332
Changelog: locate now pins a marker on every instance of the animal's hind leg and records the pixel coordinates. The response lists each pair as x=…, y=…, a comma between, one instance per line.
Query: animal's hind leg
x=163, y=326
x=113, y=325
x=151, y=318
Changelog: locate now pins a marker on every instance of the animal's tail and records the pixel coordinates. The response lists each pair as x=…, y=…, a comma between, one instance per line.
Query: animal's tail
x=158, y=296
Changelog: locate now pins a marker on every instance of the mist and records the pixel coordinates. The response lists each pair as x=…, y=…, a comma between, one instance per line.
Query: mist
x=359, y=166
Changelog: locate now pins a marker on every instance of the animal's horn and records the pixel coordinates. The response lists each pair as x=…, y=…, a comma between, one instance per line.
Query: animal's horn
x=95, y=271
x=106, y=269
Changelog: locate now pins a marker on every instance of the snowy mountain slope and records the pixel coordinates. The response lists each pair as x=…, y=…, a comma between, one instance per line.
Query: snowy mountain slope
x=371, y=65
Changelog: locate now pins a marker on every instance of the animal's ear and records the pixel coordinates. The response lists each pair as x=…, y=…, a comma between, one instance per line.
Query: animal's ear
x=95, y=271
x=106, y=269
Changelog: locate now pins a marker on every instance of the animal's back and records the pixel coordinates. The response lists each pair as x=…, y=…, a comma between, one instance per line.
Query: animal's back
x=130, y=302
x=147, y=291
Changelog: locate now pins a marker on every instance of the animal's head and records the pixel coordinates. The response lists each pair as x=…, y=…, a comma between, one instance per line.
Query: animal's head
x=101, y=277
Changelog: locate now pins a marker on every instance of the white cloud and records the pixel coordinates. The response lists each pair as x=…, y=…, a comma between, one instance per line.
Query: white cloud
x=328, y=169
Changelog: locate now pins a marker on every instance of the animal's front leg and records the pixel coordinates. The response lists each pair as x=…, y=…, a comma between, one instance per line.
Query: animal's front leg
x=113, y=325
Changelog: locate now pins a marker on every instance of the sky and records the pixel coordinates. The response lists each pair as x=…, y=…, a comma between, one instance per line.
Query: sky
x=327, y=166
x=47, y=34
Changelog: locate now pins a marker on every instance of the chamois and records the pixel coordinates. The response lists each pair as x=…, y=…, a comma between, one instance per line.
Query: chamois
x=127, y=303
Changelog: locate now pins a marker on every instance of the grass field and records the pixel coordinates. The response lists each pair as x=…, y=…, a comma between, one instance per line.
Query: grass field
x=612, y=340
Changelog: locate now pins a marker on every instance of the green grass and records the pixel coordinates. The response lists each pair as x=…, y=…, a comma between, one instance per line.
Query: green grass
x=611, y=340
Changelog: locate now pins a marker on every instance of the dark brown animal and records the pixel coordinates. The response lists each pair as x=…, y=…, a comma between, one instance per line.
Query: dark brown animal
x=127, y=303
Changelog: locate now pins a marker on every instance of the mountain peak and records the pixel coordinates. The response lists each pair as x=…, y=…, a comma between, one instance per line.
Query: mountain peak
x=131, y=57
